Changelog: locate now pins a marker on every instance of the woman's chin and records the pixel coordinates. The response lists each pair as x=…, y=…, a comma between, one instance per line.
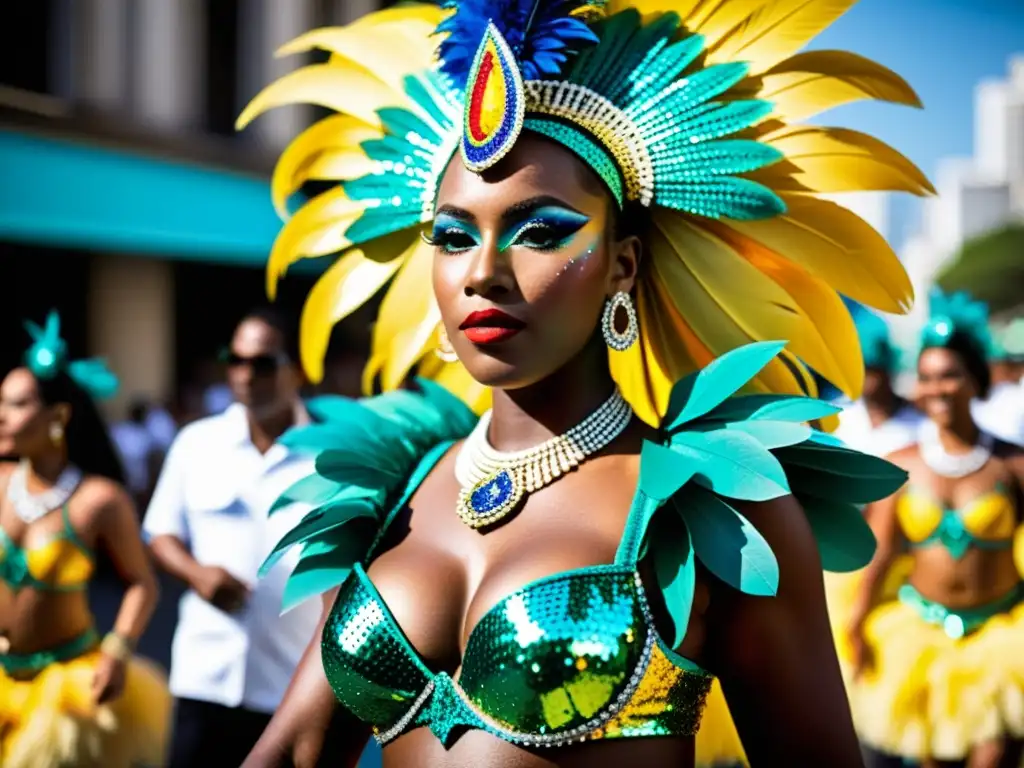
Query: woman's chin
x=497, y=373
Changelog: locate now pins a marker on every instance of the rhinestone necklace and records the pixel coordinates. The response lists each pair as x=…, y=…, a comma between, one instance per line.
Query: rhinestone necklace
x=949, y=464
x=31, y=507
x=493, y=482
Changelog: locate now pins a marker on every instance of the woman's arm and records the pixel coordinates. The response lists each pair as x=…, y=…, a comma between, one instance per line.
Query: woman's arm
x=297, y=732
x=118, y=534
x=776, y=658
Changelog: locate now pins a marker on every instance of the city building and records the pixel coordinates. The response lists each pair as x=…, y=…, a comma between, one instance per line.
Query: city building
x=975, y=194
x=127, y=201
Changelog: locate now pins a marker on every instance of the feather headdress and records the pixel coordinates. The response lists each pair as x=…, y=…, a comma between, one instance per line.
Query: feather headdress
x=693, y=109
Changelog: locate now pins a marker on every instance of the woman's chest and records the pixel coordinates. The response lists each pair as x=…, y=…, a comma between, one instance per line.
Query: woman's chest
x=440, y=578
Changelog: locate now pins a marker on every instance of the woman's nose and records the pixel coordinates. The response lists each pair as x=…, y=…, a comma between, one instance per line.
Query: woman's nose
x=490, y=273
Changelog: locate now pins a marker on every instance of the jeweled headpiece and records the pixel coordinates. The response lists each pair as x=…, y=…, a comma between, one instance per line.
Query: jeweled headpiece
x=957, y=315
x=48, y=356
x=688, y=108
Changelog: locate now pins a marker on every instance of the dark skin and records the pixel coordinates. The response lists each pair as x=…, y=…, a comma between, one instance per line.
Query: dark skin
x=945, y=391
x=269, y=394
x=775, y=656
x=103, y=518
x=879, y=398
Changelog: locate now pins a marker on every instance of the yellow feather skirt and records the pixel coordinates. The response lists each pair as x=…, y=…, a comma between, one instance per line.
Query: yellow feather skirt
x=929, y=695
x=50, y=721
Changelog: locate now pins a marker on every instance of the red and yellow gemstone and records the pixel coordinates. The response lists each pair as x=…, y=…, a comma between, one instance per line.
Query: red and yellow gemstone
x=495, y=103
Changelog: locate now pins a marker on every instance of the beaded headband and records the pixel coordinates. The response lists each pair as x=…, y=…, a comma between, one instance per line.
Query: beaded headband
x=698, y=115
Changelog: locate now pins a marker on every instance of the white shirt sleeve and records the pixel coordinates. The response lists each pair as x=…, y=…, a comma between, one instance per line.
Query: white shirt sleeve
x=166, y=514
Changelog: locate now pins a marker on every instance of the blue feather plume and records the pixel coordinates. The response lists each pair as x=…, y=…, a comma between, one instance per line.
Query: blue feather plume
x=541, y=33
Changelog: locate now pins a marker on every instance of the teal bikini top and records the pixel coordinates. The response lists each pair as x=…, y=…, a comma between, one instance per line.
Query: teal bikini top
x=573, y=656
x=62, y=563
x=567, y=657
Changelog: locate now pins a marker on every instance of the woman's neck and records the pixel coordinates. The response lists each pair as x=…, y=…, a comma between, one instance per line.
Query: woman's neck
x=47, y=468
x=525, y=417
x=960, y=435
x=882, y=407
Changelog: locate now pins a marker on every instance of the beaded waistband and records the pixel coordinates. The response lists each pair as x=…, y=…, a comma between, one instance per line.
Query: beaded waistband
x=30, y=663
x=959, y=622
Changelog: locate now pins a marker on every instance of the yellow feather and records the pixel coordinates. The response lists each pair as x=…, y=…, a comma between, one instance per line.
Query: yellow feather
x=348, y=284
x=407, y=319
x=317, y=229
x=838, y=160
x=837, y=246
x=373, y=48
x=777, y=30
x=822, y=305
x=425, y=12
x=329, y=149
x=813, y=81
x=714, y=329
x=347, y=89
x=757, y=305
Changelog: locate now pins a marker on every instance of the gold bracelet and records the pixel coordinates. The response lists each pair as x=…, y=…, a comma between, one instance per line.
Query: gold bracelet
x=116, y=647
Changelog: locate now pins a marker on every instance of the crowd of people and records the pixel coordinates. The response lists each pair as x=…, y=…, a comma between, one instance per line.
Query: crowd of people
x=598, y=512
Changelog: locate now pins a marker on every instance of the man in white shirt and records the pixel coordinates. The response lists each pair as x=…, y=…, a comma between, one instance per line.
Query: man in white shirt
x=233, y=653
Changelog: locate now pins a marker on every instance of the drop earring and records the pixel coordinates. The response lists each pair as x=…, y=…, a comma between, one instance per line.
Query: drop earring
x=444, y=349
x=620, y=342
x=56, y=433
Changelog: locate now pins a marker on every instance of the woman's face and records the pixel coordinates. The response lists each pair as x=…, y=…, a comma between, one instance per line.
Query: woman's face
x=944, y=386
x=25, y=420
x=525, y=259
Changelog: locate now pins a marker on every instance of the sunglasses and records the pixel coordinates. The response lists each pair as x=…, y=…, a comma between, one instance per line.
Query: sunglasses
x=261, y=365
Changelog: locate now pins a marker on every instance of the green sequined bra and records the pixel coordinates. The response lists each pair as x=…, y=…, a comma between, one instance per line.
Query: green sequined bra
x=573, y=656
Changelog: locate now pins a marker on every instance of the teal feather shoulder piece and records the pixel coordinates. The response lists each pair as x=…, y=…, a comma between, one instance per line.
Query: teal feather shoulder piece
x=719, y=448
x=367, y=452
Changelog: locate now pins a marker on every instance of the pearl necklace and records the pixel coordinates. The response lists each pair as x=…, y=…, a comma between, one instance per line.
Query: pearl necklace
x=493, y=483
x=948, y=464
x=31, y=507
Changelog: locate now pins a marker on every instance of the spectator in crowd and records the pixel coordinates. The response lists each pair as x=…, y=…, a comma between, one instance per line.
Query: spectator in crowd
x=208, y=523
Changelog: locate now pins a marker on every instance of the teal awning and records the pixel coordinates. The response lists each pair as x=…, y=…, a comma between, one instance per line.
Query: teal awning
x=78, y=195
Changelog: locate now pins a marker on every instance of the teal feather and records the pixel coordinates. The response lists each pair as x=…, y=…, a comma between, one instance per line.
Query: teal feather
x=367, y=450
x=313, y=490
x=732, y=464
x=728, y=544
x=702, y=391
x=719, y=446
x=48, y=356
x=957, y=314
x=675, y=571
x=845, y=540
x=664, y=471
x=94, y=377
x=718, y=197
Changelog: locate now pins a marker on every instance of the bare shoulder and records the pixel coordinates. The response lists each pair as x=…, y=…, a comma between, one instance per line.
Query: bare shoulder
x=6, y=470
x=1012, y=456
x=906, y=458
x=737, y=617
x=99, y=495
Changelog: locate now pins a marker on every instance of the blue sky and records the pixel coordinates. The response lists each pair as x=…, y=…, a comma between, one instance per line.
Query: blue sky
x=943, y=48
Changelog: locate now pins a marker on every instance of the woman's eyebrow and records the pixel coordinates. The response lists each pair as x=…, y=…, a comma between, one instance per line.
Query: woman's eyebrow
x=523, y=208
x=455, y=212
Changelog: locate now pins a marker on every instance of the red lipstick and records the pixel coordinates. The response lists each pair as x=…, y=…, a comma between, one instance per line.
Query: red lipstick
x=490, y=326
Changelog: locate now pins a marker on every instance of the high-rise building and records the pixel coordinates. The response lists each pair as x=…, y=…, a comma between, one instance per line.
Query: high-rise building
x=975, y=194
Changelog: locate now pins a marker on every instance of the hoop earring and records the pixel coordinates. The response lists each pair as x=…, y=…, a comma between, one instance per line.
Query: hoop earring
x=620, y=342
x=56, y=433
x=444, y=350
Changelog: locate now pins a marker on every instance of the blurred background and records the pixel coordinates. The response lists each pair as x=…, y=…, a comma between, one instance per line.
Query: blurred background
x=129, y=204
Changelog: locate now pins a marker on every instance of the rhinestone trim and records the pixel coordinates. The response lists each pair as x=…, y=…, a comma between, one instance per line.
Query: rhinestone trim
x=404, y=720
x=580, y=733
x=611, y=126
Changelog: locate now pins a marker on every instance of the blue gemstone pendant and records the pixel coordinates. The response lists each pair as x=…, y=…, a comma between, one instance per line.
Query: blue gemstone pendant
x=489, y=500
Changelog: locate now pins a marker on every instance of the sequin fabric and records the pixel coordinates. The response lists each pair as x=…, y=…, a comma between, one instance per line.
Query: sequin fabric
x=367, y=660
x=572, y=657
